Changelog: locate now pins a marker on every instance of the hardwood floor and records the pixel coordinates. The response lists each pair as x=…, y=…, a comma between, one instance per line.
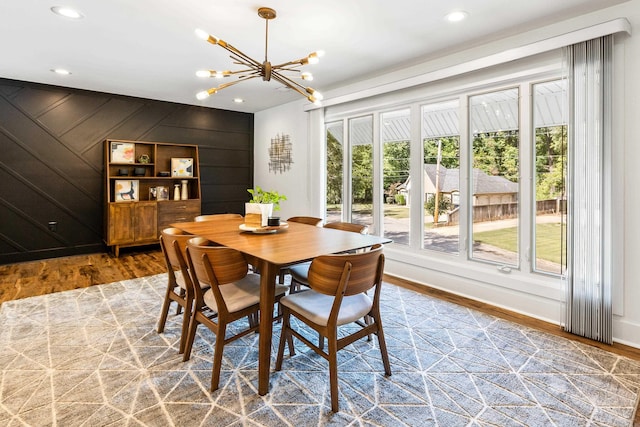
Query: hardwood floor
x=53, y=275
x=61, y=274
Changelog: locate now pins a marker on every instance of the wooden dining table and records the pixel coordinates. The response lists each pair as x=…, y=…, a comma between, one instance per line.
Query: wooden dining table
x=287, y=246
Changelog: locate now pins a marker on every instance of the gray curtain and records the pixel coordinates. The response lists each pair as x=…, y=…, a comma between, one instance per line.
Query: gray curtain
x=588, y=280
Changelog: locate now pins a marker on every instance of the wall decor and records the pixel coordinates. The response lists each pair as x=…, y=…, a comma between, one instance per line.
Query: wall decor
x=122, y=152
x=126, y=190
x=181, y=166
x=162, y=192
x=280, y=158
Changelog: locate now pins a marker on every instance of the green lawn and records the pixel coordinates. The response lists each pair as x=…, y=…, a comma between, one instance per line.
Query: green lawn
x=549, y=240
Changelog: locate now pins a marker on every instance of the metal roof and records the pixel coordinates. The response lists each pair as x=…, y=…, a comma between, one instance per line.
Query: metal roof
x=490, y=112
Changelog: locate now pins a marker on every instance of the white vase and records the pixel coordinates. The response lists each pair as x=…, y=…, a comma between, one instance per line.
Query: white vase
x=185, y=190
x=257, y=214
x=176, y=192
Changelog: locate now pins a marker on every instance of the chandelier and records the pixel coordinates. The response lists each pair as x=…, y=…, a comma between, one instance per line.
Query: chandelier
x=265, y=69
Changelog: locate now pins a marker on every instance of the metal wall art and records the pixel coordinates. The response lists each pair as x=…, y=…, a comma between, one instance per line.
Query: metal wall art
x=280, y=158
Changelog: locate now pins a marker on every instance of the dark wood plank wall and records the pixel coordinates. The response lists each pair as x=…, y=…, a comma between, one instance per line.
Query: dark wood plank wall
x=51, y=161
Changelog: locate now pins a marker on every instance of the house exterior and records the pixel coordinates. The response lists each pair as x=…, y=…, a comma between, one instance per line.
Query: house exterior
x=487, y=189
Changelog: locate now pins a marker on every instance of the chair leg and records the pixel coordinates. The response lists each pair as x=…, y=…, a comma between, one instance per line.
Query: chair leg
x=383, y=345
x=332, y=342
x=217, y=356
x=367, y=321
x=285, y=336
x=281, y=278
x=186, y=319
x=193, y=324
x=165, y=310
x=252, y=319
x=179, y=307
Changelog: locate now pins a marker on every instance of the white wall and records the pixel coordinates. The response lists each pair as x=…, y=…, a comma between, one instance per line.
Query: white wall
x=289, y=120
x=305, y=190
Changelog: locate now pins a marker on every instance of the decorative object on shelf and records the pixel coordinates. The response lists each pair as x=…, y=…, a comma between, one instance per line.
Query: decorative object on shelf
x=184, y=195
x=139, y=171
x=123, y=172
x=176, y=192
x=181, y=167
x=265, y=69
x=280, y=158
x=144, y=159
x=126, y=190
x=153, y=195
x=122, y=152
x=261, y=206
x=164, y=174
x=162, y=192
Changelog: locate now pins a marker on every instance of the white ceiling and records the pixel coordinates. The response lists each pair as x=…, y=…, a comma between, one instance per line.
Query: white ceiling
x=147, y=48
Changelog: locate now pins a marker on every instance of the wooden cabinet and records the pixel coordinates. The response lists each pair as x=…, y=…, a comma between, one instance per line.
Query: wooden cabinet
x=142, y=181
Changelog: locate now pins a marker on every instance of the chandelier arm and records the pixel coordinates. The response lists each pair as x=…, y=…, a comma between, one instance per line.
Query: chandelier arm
x=249, y=76
x=296, y=63
x=239, y=53
x=290, y=83
x=226, y=85
x=240, y=61
x=293, y=70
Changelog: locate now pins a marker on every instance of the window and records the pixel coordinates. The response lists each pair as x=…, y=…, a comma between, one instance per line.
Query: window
x=335, y=162
x=441, y=176
x=469, y=196
x=361, y=143
x=494, y=176
x=550, y=131
x=395, y=134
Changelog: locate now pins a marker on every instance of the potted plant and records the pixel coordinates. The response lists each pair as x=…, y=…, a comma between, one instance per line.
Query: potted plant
x=261, y=206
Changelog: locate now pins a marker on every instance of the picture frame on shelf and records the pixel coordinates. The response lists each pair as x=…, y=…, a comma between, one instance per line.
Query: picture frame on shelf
x=162, y=192
x=153, y=193
x=123, y=152
x=127, y=190
x=182, y=167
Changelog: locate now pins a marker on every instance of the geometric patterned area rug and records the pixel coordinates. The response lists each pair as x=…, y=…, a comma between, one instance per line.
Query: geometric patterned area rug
x=92, y=357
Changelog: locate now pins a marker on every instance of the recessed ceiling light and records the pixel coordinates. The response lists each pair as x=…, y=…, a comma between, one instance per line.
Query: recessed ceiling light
x=67, y=12
x=456, y=16
x=238, y=100
x=61, y=71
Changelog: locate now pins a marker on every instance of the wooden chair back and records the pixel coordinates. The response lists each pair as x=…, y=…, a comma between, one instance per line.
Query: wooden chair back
x=214, y=217
x=310, y=220
x=348, y=226
x=215, y=265
x=347, y=274
x=170, y=238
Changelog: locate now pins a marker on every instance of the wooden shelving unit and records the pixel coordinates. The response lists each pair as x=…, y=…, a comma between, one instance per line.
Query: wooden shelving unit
x=141, y=179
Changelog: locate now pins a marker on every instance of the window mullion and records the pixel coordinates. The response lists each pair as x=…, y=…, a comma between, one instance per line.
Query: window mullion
x=527, y=208
x=417, y=191
x=465, y=192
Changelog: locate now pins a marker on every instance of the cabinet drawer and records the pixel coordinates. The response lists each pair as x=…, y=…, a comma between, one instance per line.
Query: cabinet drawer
x=179, y=207
x=177, y=211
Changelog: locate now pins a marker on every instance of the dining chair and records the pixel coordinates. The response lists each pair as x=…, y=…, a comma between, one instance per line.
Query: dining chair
x=299, y=272
x=234, y=293
x=173, y=243
x=338, y=296
x=309, y=220
x=213, y=217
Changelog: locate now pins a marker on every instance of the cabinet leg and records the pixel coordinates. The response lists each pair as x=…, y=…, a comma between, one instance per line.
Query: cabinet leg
x=116, y=251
